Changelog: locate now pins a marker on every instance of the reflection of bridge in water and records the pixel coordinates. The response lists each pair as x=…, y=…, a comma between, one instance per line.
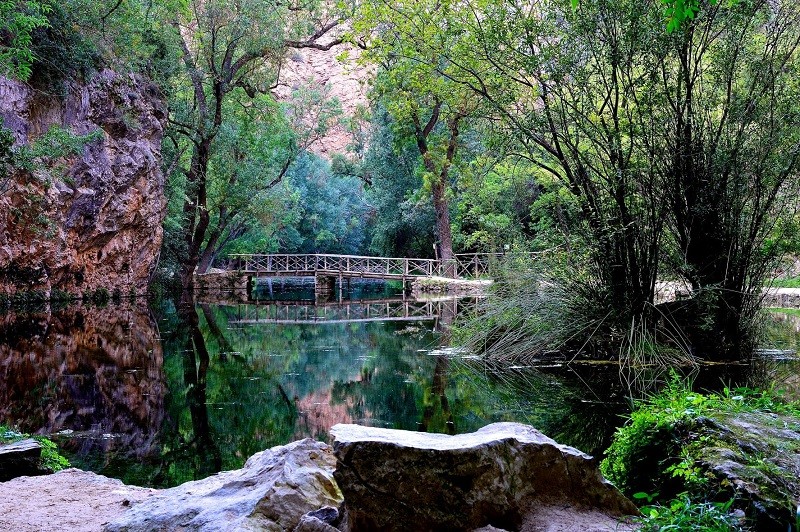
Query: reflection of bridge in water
x=350, y=311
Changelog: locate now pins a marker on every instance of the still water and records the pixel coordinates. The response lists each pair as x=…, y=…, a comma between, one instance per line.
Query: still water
x=153, y=396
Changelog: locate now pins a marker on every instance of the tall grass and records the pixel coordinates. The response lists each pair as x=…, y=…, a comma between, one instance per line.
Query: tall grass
x=554, y=307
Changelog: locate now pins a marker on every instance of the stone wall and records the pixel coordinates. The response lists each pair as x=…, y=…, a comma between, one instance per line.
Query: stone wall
x=93, y=220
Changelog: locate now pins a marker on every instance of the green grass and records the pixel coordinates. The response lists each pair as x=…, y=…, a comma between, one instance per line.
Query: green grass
x=50, y=460
x=793, y=282
x=683, y=514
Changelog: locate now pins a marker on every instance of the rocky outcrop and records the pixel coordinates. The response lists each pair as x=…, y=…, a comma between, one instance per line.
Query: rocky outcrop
x=20, y=458
x=229, y=283
x=273, y=491
x=505, y=475
x=445, y=285
x=333, y=74
x=753, y=457
x=78, y=223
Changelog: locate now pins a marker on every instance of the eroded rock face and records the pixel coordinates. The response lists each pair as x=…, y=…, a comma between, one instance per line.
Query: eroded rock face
x=336, y=74
x=93, y=220
x=498, y=476
x=273, y=491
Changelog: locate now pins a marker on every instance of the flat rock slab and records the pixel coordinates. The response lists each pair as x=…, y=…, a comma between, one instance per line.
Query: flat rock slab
x=74, y=500
x=273, y=491
x=20, y=459
x=498, y=476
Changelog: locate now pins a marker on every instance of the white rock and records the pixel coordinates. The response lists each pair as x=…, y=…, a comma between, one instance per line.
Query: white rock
x=273, y=490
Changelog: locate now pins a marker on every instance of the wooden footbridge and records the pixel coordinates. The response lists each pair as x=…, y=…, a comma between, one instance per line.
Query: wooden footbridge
x=328, y=267
x=240, y=271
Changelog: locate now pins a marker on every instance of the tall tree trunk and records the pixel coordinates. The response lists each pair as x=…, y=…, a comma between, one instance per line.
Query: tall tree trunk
x=439, y=186
x=442, y=209
x=195, y=210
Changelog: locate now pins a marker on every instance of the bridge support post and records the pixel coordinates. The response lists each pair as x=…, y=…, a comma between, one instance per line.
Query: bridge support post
x=324, y=286
x=408, y=286
x=250, y=287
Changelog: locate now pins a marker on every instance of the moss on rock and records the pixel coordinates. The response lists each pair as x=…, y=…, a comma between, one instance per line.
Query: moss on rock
x=740, y=445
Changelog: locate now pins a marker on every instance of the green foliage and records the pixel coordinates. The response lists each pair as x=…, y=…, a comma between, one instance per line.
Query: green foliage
x=793, y=282
x=682, y=514
x=18, y=20
x=403, y=219
x=331, y=211
x=6, y=158
x=63, y=53
x=664, y=422
x=50, y=459
x=45, y=152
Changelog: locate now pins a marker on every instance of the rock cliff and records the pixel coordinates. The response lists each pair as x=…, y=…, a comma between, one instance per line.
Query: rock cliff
x=91, y=220
x=335, y=74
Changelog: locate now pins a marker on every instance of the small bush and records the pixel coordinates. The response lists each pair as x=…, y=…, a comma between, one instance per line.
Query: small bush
x=50, y=459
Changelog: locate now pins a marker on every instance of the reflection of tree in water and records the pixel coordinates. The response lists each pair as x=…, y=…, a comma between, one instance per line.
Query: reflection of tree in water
x=205, y=453
x=222, y=409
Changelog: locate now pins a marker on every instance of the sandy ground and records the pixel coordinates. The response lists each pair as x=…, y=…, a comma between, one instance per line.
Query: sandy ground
x=79, y=501
x=568, y=519
x=72, y=500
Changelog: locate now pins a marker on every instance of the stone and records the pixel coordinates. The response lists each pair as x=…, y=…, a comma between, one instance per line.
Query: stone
x=20, y=459
x=754, y=459
x=273, y=491
x=309, y=523
x=92, y=220
x=334, y=74
x=497, y=476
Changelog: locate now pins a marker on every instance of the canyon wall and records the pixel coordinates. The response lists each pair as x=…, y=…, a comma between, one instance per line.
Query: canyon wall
x=90, y=218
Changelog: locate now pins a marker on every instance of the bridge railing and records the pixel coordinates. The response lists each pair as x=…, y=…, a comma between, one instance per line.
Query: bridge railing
x=329, y=263
x=344, y=312
x=463, y=265
x=481, y=264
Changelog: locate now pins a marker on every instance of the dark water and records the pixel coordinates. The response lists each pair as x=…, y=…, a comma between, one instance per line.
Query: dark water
x=156, y=397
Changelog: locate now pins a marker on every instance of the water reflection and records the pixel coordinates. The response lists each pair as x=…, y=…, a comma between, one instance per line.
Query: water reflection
x=174, y=393
x=97, y=372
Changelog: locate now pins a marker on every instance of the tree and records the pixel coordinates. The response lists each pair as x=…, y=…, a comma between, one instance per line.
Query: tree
x=678, y=146
x=730, y=160
x=255, y=148
x=404, y=216
x=413, y=85
x=18, y=20
x=226, y=50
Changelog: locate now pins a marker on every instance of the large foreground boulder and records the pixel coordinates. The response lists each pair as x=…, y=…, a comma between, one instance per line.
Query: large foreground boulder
x=273, y=491
x=505, y=475
x=74, y=500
